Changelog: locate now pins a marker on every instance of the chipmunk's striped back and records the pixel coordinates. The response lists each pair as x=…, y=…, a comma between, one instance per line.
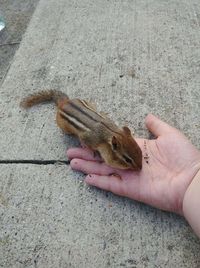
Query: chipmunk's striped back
x=83, y=116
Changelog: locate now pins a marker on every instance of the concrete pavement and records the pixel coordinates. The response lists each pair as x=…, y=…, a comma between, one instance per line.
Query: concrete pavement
x=131, y=58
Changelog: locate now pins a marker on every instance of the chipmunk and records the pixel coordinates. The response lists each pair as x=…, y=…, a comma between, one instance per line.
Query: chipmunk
x=116, y=146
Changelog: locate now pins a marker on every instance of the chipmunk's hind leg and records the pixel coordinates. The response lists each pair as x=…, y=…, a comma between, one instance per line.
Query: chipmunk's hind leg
x=63, y=124
x=92, y=106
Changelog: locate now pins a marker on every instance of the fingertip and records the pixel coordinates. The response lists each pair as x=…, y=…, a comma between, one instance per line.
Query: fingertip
x=70, y=152
x=156, y=126
x=74, y=163
x=89, y=178
x=108, y=183
x=83, y=153
x=150, y=118
x=97, y=181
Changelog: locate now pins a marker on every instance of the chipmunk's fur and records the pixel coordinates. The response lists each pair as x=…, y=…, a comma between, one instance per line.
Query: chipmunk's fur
x=74, y=116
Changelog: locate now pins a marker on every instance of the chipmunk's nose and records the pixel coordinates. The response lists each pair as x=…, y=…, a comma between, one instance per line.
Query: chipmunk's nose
x=139, y=165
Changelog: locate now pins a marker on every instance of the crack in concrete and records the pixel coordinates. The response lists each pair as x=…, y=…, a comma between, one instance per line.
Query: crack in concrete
x=35, y=162
x=10, y=44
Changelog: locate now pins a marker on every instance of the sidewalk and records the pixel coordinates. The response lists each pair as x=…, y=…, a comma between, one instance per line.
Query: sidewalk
x=131, y=58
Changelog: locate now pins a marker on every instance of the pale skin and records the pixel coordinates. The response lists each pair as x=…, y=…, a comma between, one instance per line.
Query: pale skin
x=169, y=179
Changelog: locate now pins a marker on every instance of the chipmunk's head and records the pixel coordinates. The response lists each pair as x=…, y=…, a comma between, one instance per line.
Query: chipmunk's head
x=127, y=153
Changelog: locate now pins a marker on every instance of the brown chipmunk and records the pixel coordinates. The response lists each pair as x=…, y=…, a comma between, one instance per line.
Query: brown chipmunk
x=79, y=117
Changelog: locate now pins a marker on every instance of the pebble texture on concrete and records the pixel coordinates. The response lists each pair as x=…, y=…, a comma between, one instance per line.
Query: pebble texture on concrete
x=131, y=58
x=49, y=218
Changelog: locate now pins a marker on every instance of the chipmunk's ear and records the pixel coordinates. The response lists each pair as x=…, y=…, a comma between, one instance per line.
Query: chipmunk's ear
x=127, y=131
x=115, y=143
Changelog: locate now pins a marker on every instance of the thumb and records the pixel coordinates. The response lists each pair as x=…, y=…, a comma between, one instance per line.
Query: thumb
x=157, y=126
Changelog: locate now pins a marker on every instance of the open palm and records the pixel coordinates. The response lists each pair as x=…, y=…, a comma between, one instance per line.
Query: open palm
x=169, y=165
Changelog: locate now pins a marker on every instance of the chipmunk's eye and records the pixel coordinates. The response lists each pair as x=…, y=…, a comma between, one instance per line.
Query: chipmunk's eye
x=114, y=145
x=127, y=159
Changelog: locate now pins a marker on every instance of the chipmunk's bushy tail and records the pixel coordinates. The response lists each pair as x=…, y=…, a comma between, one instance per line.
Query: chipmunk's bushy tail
x=42, y=97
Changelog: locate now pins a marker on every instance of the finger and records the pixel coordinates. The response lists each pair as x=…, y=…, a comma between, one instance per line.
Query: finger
x=157, y=126
x=83, y=153
x=109, y=183
x=89, y=167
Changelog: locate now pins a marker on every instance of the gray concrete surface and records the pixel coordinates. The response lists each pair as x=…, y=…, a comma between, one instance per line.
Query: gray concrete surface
x=131, y=58
x=17, y=15
x=49, y=218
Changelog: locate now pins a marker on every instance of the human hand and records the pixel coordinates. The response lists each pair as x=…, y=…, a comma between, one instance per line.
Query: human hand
x=172, y=164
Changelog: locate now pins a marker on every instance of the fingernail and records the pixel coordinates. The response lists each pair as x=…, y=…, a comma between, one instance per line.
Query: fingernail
x=89, y=177
x=74, y=162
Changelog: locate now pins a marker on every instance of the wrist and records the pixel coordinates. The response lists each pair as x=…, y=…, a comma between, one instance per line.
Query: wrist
x=191, y=204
